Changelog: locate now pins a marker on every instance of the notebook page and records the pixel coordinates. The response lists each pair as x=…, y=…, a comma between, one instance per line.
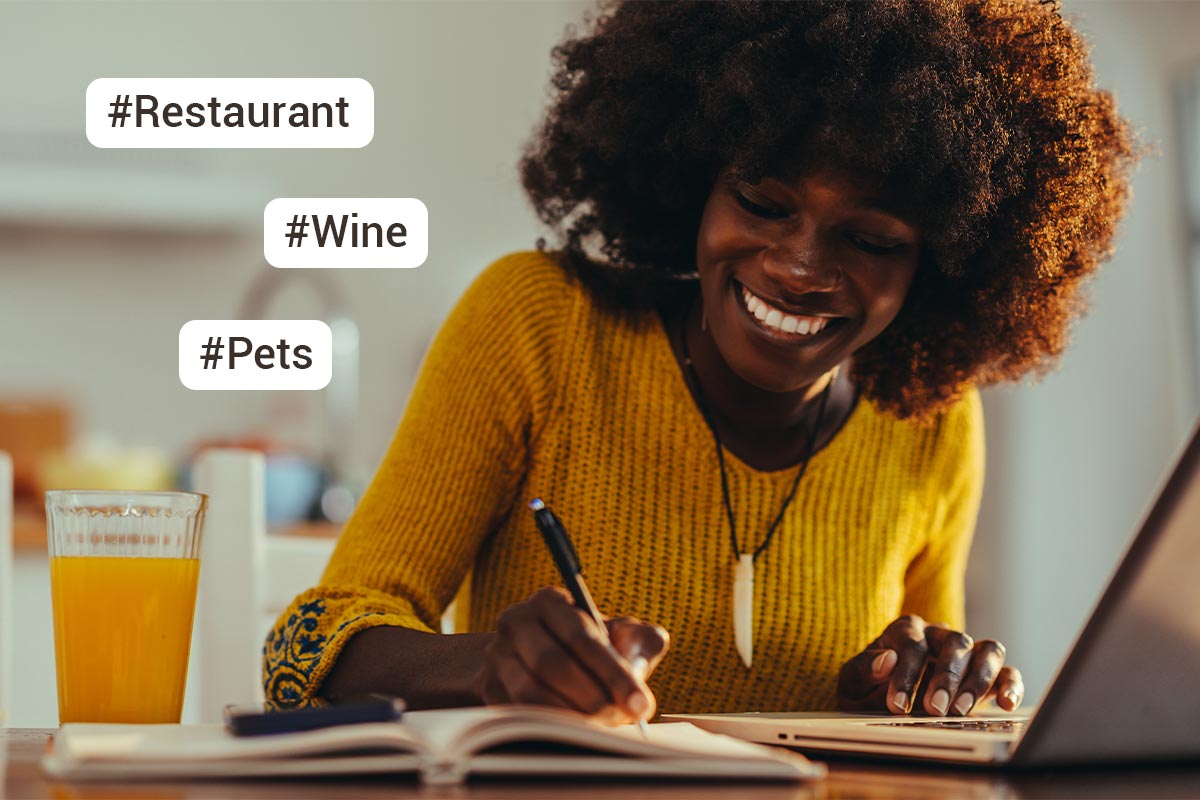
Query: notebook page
x=456, y=733
x=150, y=743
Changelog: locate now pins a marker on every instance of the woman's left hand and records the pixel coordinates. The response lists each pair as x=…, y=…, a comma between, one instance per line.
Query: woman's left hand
x=944, y=671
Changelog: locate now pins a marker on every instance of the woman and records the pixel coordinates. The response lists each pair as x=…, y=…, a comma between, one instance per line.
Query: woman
x=795, y=240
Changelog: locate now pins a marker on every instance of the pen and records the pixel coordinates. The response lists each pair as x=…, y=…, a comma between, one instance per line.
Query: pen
x=567, y=561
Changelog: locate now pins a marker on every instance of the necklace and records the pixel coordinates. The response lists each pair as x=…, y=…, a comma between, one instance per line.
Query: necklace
x=743, y=578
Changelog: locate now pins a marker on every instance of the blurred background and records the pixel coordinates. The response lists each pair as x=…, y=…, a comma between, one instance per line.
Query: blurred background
x=104, y=254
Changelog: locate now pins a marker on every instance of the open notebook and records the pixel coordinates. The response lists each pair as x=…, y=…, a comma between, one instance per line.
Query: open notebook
x=443, y=746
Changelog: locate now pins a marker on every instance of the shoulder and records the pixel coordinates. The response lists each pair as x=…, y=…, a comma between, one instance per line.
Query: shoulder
x=960, y=440
x=956, y=426
x=516, y=312
x=520, y=281
x=521, y=302
x=962, y=423
x=948, y=448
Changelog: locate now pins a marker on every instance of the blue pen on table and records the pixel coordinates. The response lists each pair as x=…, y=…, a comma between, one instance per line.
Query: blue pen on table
x=567, y=561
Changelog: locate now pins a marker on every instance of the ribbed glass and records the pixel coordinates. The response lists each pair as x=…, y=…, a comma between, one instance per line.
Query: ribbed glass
x=124, y=567
x=139, y=524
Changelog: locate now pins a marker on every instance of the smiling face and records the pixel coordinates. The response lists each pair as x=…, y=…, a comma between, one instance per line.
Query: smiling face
x=798, y=275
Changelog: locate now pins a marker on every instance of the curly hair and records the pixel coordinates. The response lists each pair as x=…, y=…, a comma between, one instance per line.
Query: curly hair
x=982, y=114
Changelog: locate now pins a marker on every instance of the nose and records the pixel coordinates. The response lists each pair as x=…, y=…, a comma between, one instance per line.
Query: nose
x=800, y=263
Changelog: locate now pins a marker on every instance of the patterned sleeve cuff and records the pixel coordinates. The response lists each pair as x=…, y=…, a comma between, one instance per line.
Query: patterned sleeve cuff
x=306, y=640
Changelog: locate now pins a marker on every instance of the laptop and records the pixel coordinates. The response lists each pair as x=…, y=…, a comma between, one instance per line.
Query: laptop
x=1128, y=690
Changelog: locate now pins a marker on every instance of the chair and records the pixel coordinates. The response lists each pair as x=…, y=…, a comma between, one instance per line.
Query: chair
x=247, y=578
x=6, y=582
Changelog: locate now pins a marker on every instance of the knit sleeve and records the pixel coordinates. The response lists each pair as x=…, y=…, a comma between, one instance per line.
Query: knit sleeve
x=482, y=396
x=934, y=583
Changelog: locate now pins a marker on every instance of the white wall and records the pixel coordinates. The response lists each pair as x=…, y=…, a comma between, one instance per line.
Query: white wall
x=458, y=88
x=1073, y=460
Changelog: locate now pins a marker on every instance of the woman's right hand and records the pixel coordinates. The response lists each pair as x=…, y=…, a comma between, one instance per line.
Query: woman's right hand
x=548, y=652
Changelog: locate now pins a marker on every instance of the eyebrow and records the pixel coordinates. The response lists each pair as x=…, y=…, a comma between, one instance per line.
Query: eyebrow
x=885, y=205
x=890, y=206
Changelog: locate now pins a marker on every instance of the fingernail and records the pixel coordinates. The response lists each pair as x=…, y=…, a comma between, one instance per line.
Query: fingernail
x=900, y=701
x=964, y=702
x=883, y=662
x=1011, y=697
x=940, y=701
x=638, y=665
x=639, y=704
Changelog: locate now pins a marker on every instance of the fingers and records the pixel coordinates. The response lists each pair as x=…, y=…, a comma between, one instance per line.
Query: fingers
x=862, y=682
x=542, y=654
x=582, y=638
x=521, y=684
x=987, y=659
x=888, y=672
x=634, y=639
x=951, y=652
x=907, y=637
x=546, y=651
x=641, y=647
x=1009, y=688
x=938, y=670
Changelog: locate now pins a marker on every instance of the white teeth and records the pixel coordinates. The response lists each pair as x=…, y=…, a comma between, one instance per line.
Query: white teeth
x=774, y=318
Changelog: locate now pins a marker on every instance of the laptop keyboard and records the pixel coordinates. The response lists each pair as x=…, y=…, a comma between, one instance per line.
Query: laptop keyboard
x=982, y=725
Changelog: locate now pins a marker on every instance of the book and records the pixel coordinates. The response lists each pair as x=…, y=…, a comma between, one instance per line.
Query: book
x=441, y=746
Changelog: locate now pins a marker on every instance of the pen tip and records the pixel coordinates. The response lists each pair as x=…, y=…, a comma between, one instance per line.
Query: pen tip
x=536, y=504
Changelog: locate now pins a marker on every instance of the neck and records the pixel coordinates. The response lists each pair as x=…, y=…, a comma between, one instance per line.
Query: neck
x=739, y=406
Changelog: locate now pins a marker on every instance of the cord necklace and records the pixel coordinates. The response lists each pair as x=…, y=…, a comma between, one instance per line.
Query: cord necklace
x=743, y=581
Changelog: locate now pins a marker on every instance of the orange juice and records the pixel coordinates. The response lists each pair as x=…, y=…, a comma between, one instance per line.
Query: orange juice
x=122, y=631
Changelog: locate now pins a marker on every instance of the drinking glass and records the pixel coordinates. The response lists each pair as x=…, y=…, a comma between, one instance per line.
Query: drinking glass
x=123, y=573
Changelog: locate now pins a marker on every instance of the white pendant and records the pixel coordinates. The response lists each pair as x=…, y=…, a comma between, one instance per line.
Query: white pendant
x=743, y=608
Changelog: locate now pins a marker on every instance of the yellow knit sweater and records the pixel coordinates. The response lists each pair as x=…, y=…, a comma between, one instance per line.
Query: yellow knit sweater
x=530, y=389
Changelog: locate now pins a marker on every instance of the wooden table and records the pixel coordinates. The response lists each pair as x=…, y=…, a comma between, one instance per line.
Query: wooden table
x=24, y=781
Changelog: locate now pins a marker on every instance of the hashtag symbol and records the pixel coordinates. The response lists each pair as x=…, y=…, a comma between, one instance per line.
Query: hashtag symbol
x=297, y=230
x=212, y=352
x=120, y=111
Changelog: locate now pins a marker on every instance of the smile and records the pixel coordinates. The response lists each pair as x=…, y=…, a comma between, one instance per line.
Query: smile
x=779, y=321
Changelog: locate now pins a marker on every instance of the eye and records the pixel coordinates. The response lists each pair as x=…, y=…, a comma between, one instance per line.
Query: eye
x=757, y=209
x=873, y=248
